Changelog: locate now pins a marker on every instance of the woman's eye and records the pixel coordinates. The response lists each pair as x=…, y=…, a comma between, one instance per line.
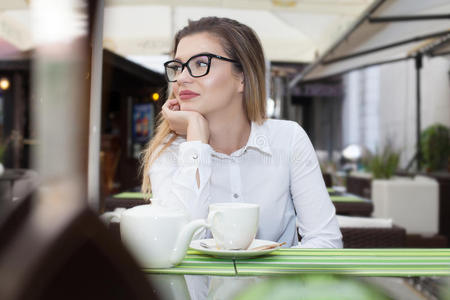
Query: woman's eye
x=201, y=64
x=175, y=68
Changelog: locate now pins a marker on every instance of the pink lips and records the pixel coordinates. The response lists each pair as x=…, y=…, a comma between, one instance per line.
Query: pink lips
x=187, y=94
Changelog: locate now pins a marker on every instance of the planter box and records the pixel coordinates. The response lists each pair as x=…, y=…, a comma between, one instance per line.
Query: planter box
x=410, y=203
x=443, y=179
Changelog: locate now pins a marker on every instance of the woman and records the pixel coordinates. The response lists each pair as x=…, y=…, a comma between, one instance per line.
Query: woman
x=214, y=144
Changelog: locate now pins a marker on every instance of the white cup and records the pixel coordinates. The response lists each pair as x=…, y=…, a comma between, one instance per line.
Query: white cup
x=233, y=224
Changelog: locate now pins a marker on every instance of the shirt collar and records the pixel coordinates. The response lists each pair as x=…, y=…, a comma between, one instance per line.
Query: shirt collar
x=259, y=139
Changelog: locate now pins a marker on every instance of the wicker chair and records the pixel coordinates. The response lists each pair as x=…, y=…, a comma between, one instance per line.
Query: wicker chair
x=360, y=186
x=112, y=203
x=394, y=237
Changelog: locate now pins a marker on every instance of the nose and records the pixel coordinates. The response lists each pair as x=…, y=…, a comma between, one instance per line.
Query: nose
x=184, y=76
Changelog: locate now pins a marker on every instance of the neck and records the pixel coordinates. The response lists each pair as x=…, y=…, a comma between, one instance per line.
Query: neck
x=229, y=133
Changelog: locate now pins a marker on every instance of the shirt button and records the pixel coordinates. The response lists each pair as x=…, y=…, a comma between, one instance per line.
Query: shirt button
x=235, y=195
x=195, y=156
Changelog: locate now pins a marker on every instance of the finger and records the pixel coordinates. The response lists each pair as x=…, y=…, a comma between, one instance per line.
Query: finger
x=172, y=101
x=174, y=105
x=165, y=105
x=169, y=104
x=165, y=111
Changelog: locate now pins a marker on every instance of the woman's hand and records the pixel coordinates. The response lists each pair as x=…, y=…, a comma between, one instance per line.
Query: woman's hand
x=178, y=120
x=189, y=123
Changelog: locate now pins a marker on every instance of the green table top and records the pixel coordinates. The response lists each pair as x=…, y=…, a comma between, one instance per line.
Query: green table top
x=359, y=262
x=346, y=198
x=129, y=195
x=334, y=198
x=196, y=263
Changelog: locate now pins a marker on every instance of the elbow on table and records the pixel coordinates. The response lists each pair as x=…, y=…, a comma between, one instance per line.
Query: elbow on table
x=322, y=242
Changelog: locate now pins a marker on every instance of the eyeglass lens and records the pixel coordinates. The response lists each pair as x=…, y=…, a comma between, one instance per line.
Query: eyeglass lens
x=197, y=66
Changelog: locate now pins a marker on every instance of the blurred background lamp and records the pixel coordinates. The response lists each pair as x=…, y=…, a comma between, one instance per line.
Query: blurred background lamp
x=4, y=84
x=155, y=96
x=352, y=152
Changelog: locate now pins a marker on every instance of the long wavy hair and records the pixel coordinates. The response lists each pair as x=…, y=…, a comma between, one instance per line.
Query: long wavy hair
x=240, y=43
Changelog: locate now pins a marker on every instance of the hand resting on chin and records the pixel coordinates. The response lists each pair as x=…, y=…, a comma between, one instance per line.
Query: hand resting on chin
x=188, y=123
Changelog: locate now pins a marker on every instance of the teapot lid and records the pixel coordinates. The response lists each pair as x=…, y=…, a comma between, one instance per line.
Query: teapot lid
x=155, y=209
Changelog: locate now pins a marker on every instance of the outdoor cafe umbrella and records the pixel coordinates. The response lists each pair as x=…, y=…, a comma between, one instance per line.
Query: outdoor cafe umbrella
x=389, y=31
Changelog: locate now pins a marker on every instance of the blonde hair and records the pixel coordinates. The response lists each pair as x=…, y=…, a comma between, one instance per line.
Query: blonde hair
x=240, y=43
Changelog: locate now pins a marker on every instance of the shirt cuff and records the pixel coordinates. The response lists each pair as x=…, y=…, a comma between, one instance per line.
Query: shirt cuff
x=194, y=154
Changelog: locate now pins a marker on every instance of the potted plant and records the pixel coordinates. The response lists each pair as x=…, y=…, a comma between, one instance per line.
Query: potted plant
x=383, y=164
x=379, y=166
x=411, y=203
x=435, y=148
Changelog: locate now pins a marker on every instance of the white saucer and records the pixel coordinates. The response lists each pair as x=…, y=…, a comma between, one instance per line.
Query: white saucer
x=212, y=250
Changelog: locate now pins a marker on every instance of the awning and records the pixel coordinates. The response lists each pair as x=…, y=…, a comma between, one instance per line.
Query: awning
x=294, y=31
x=440, y=48
x=390, y=31
x=290, y=30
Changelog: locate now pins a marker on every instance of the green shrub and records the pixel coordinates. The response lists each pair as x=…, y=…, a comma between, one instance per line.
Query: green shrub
x=435, y=147
x=383, y=164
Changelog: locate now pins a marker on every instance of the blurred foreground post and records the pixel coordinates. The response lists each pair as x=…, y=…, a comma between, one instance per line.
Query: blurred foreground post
x=55, y=247
x=61, y=111
x=95, y=124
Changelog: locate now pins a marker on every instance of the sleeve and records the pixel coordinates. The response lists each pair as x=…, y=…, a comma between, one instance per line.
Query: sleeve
x=316, y=214
x=173, y=178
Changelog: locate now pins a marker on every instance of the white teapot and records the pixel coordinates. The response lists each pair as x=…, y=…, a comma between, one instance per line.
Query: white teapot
x=157, y=236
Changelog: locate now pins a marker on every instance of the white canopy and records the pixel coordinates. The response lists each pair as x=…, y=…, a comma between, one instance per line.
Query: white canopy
x=290, y=30
x=391, y=30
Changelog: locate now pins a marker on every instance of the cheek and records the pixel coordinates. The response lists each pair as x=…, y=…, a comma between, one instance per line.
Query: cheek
x=209, y=83
x=216, y=84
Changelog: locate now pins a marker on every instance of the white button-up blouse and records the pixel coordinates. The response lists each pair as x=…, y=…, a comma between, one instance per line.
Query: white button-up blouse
x=277, y=169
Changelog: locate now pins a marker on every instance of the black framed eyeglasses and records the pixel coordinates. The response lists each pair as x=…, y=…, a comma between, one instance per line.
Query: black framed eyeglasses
x=198, y=66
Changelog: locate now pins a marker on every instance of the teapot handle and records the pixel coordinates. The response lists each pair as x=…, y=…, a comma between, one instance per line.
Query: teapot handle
x=185, y=236
x=183, y=240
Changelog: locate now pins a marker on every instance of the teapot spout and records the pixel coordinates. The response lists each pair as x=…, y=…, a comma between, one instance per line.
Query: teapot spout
x=184, y=239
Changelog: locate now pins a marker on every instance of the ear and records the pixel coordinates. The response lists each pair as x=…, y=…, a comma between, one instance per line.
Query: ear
x=241, y=82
